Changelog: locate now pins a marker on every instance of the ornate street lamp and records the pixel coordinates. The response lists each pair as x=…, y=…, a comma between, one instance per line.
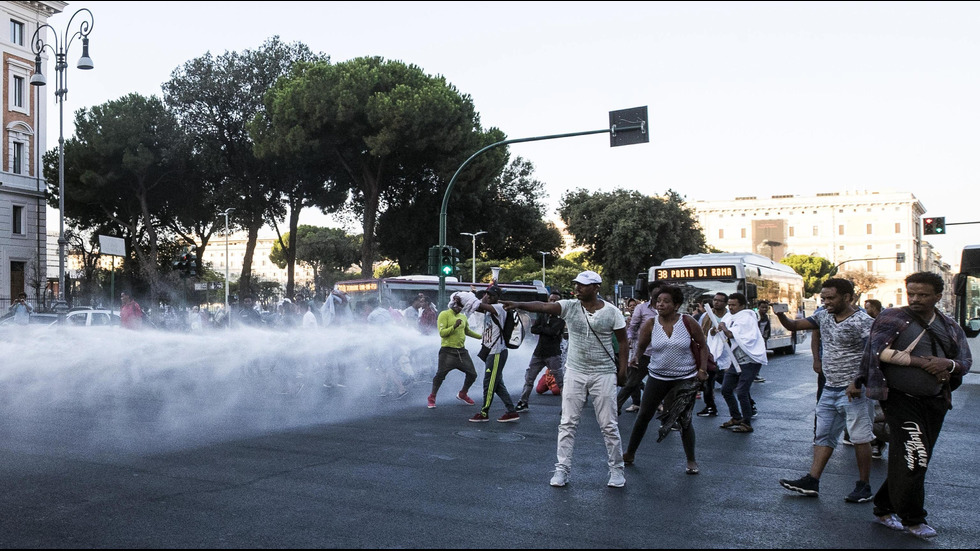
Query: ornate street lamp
x=60, y=51
x=543, y=254
x=227, y=264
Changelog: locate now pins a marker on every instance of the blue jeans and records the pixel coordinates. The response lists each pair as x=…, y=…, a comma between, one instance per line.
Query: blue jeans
x=737, y=385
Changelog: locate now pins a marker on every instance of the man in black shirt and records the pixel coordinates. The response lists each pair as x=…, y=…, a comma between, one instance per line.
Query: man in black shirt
x=547, y=353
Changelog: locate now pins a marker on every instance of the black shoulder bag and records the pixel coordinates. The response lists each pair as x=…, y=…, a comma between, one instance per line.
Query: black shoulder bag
x=954, y=381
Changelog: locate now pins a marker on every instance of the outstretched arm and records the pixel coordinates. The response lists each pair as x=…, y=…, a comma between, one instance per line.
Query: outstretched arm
x=552, y=308
x=794, y=325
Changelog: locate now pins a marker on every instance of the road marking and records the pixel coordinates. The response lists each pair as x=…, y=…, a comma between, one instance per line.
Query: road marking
x=796, y=392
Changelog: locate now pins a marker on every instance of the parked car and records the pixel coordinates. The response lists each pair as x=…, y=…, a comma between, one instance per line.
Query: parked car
x=89, y=317
x=35, y=319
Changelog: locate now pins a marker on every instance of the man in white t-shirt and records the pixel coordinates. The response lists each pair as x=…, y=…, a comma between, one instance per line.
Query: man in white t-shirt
x=494, y=354
x=591, y=370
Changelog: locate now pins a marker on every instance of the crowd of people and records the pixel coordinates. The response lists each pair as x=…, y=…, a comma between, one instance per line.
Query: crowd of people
x=884, y=375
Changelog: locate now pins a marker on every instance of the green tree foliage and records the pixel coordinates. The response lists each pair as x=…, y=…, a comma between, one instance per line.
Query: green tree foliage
x=814, y=269
x=329, y=252
x=123, y=167
x=626, y=232
x=381, y=130
x=215, y=99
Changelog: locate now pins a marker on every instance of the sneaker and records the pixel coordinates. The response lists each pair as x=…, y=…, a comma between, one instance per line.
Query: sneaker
x=891, y=521
x=861, y=493
x=708, y=412
x=807, y=485
x=618, y=480
x=759, y=380
x=633, y=408
x=401, y=394
x=876, y=452
x=463, y=397
x=479, y=418
x=922, y=531
x=560, y=478
x=432, y=401
x=521, y=406
x=755, y=411
x=509, y=417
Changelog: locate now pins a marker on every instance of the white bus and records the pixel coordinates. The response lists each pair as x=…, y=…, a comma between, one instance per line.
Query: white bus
x=700, y=276
x=967, y=291
x=399, y=292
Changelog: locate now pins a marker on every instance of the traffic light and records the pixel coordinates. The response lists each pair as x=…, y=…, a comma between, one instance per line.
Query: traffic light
x=447, y=262
x=434, y=258
x=934, y=226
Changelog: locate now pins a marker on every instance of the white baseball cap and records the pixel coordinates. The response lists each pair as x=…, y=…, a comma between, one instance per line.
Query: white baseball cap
x=588, y=277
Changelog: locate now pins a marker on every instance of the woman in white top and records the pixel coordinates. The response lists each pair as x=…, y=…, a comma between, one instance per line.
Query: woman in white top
x=675, y=373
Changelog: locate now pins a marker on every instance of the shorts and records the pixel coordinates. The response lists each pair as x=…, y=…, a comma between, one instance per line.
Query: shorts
x=834, y=412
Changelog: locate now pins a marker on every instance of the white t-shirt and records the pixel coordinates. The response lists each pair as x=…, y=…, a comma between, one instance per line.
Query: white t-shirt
x=589, y=352
x=491, y=331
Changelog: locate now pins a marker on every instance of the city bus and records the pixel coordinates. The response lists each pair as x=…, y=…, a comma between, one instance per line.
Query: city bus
x=757, y=277
x=966, y=289
x=399, y=292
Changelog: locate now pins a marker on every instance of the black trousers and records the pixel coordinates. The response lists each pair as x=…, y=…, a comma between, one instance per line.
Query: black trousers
x=634, y=382
x=914, y=423
x=450, y=359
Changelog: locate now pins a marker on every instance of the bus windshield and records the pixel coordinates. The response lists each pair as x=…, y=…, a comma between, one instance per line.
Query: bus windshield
x=967, y=291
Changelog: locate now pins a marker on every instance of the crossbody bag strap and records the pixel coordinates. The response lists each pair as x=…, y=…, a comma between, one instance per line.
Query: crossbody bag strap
x=586, y=314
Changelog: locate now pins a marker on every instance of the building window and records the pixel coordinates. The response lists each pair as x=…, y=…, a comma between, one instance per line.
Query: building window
x=816, y=231
x=18, y=92
x=792, y=231
x=721, y=234
x=840, y=229
x=18, y=158
x=17, y=217
x=871, y=266
x=743, y=233
x=17, y=32
x=898, y=227
x=869, y=247
x=869, y=229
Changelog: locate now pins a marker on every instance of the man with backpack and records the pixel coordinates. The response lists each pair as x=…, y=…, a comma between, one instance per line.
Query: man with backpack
x=494, y=356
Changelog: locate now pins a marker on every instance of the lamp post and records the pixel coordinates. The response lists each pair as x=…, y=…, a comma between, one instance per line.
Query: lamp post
x=227, y=264
x=473, y=235
x=60, y=51
x=543, y=254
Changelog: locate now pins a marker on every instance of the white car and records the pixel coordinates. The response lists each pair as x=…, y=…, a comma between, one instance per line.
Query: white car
x=85, y=318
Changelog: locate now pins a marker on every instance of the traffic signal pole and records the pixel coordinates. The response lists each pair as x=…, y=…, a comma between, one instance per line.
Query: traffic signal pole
x=445, y=198
x=626, y=126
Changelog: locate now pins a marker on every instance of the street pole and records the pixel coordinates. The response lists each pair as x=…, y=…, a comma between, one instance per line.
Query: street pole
x=60, y=51
x=227, y=264
x=473, y=235
x=543, y=254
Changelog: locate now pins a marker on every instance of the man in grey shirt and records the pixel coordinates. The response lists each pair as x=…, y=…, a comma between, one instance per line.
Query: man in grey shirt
x=844, y=333
x=591, y=370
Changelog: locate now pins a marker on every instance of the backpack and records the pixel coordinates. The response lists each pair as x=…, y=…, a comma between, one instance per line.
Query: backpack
x=515, y=328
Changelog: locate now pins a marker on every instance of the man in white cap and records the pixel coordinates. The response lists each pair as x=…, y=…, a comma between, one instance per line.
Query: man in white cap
x=591, y=370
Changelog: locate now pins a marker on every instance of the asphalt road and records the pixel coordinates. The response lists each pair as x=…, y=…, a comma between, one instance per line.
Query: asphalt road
x=128, y=466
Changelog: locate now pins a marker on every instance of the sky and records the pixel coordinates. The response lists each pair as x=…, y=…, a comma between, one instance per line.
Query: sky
x=744, y=98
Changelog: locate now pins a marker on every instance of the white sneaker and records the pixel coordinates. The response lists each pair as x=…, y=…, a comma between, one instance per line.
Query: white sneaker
x=560, y=478
x=616, y=479
x=633, y=408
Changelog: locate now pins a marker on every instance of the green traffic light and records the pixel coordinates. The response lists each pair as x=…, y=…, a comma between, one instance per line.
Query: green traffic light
x=447, y=270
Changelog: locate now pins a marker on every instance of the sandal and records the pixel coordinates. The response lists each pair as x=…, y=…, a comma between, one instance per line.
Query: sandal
x=743, y=428
x=693, y=470
x=731, y=423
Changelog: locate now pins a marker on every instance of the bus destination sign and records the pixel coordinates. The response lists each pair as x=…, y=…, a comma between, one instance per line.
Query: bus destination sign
x=695, y=272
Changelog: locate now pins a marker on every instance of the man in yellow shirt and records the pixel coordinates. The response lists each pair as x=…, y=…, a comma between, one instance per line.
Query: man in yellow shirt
x=453, y=328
